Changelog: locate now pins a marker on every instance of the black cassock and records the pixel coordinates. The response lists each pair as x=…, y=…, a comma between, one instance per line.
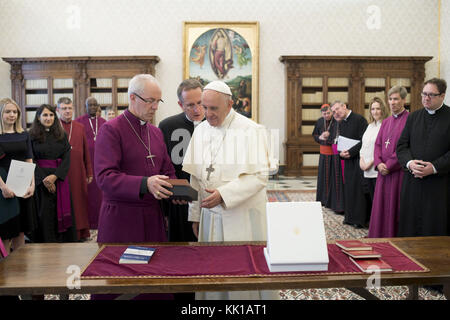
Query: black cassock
x=177, y=131
x=330, y=190
x=425, y=203
x=355, y=201
x=46, y=202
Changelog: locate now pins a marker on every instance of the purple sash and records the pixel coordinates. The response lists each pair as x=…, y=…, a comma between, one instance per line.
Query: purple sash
x=63, y=209
x=3, y=253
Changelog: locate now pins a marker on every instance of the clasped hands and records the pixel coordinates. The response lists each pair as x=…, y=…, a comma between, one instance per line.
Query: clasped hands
x=421, y=168
x=49, y=183
x=382, y=168
x=156, y=184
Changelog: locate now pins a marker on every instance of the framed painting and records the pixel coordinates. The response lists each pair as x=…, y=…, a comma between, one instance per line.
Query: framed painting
x=226, y=51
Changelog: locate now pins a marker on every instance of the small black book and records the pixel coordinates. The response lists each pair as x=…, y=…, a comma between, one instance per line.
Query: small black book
x=182, y=190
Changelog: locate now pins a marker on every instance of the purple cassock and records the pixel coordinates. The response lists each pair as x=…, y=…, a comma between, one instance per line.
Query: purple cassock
x=91, y=128
x=386, y=200
x=121, y=161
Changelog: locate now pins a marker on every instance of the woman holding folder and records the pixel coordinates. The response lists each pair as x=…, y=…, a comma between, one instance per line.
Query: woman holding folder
x=17, y=214
x=51, y=152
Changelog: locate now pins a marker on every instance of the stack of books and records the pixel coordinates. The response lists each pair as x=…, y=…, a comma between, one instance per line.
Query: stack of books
x=363, y=256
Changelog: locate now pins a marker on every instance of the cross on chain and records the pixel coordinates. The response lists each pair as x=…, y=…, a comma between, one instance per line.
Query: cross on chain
x=209, y=170
x=151, y=156
x=387, y=143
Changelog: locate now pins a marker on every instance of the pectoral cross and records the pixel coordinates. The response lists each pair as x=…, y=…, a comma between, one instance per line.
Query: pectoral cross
x=151, y=156
x=387, y=143
x=209, y=170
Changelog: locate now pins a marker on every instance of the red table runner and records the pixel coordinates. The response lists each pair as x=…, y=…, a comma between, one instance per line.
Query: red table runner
x=227, y=261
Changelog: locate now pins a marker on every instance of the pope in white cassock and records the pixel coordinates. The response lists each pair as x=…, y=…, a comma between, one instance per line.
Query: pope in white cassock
x=229, y=161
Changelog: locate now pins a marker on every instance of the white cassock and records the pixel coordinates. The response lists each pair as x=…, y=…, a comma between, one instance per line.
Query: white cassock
x=239, y=153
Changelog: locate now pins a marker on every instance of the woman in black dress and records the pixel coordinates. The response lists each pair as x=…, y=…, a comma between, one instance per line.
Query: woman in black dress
x=51, y=152
x=17, y=214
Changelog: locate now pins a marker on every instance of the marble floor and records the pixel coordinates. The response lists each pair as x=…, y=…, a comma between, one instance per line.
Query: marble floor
x=292, y=183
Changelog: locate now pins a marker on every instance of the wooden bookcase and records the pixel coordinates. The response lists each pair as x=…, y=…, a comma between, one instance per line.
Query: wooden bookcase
x=35, y=81
x=314, y=80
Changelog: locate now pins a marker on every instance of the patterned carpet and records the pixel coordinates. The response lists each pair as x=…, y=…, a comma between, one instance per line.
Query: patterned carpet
x=335, y=229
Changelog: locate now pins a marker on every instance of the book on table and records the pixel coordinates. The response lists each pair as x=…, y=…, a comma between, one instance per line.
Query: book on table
x=350, y=245
x=371, y=265
x=363, y=254
x=136, y=255
x=296, y=239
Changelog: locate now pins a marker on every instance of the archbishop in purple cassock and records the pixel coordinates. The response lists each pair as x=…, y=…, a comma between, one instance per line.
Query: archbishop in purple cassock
x=386, y=201
x=92, y=125
x=121, y=164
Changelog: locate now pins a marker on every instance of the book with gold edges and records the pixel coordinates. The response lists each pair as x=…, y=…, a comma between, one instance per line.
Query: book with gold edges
x=371, y=265
x=362, y=254
x=350, y=245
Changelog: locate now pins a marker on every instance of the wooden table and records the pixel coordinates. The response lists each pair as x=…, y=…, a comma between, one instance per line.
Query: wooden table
x=42, y=269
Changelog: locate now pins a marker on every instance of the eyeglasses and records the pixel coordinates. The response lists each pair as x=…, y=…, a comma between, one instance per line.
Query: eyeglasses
x=150, y=101
x=429, y=95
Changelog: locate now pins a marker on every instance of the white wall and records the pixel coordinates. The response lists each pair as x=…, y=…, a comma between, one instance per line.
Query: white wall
x=31, y=28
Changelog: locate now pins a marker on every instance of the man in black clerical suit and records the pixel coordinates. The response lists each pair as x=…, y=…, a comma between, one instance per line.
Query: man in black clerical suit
x=352, y=125
x=423, y=150
x=177, y=131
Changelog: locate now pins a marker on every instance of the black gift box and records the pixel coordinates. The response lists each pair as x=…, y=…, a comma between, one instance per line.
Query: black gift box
x=182, y=190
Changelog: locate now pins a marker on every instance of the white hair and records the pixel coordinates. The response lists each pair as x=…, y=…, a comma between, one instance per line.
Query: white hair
x=137, y=83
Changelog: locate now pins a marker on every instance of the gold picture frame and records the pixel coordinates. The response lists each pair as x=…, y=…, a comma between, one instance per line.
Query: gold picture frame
x=227, y=51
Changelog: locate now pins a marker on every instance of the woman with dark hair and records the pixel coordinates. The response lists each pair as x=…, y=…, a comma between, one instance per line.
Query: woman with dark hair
x=17, y=214
x=51, y=151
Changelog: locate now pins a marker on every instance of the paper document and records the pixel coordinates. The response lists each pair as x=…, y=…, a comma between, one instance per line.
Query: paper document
x=19, y=177
x=344, y=143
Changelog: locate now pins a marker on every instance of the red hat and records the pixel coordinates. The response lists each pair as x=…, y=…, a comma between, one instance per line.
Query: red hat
x=324, y=106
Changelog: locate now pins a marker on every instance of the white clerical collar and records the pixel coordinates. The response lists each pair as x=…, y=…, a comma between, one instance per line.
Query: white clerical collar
x=350, y=111
x=398, y=114
x=196, y=123
x=434, y=111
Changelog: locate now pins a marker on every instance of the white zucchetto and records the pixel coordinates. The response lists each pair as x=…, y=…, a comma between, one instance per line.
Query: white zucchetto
x=218, y=86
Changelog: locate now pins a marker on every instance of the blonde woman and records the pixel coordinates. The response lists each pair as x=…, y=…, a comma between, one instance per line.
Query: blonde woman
x=17, y=215
x=378, y=112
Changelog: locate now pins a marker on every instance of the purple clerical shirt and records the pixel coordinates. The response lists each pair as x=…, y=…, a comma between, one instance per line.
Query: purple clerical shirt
x=386, y=201
x=91, y=128
x=120, y=164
